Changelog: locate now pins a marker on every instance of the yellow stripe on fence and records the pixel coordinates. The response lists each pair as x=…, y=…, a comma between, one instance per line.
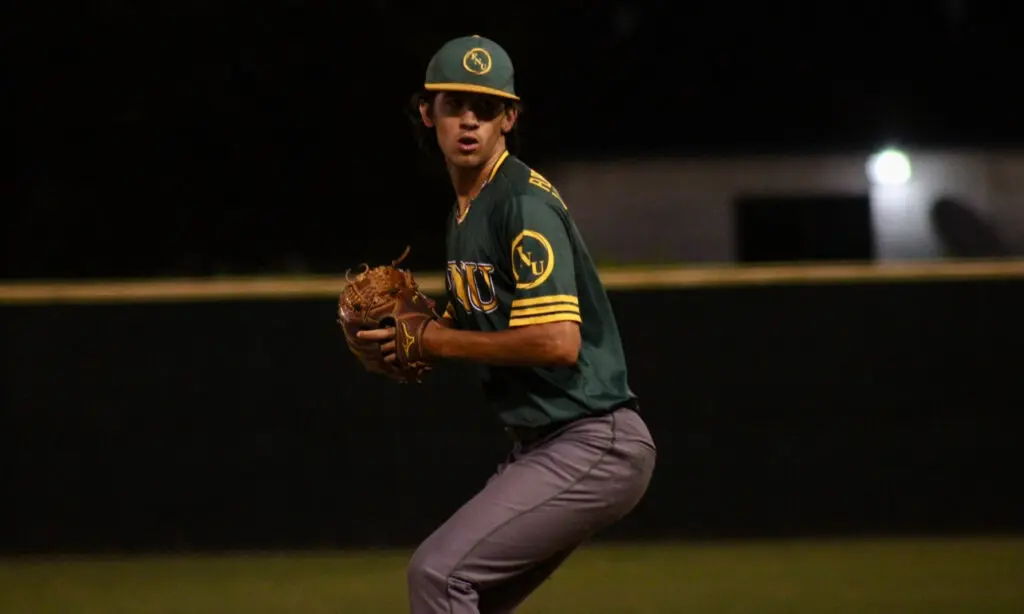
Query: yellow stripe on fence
x=621, y=279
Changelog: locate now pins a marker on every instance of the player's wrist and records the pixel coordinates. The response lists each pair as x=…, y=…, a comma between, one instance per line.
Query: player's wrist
x=432, y=339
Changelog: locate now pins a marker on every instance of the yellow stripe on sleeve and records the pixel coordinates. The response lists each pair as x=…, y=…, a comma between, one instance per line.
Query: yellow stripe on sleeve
x=547, y=319
x=544, y=309
x=545, y=300
x=448, y=312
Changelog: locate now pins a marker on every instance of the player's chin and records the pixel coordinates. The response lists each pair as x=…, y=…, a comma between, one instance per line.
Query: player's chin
x=463, y=159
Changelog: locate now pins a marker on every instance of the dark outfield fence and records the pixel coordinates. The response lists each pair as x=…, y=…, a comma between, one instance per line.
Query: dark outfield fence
x=779, y=410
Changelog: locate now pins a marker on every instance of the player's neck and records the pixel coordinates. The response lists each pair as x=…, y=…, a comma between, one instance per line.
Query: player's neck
x=469, y=181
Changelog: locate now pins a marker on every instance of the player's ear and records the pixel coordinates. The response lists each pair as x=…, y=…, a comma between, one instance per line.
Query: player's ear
x=508, y=120
x=428, y=121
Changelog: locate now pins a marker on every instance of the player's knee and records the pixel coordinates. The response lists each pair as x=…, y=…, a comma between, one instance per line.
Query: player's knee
x=427, y=571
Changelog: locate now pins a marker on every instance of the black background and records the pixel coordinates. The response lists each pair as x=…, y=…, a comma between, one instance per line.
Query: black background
x=196, y=138
x=191, y=138
x=778, y=411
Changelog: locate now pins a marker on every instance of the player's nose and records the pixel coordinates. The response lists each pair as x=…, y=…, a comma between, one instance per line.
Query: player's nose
x=468, y=120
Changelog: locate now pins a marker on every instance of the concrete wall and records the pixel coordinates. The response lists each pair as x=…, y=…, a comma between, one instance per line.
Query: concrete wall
x=682, y=209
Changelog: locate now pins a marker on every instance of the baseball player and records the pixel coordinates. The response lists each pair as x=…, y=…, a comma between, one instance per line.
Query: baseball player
x=525, y=304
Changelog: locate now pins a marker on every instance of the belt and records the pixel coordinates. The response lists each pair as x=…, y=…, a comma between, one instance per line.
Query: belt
x=528, y=435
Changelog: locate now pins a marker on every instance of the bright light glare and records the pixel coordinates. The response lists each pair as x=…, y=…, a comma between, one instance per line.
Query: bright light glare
x=889, y=167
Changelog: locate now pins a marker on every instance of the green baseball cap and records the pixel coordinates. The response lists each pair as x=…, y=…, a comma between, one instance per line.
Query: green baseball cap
x=472, y=64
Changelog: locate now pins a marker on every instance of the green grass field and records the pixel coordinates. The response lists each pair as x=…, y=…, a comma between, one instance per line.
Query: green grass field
x=965, y=576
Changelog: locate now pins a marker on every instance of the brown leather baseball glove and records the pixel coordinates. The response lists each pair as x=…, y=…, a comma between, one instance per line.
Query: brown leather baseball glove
x=386, y=296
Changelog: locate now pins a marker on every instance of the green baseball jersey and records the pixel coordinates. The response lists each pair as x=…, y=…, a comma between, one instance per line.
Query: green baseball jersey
x=516, y=258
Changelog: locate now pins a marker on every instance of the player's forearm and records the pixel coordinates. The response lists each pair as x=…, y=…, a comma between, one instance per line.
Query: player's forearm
x=539, y=346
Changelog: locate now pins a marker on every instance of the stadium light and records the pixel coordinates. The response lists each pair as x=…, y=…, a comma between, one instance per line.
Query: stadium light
x=889, y=167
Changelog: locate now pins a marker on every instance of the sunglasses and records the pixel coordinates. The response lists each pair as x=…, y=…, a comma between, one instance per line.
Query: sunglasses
x=486, y=108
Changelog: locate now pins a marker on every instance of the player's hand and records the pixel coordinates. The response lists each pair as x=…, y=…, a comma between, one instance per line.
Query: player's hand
x=386, y=338
x=383, y=336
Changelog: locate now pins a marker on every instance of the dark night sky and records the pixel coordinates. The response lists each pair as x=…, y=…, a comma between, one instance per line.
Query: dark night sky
x=193, y=137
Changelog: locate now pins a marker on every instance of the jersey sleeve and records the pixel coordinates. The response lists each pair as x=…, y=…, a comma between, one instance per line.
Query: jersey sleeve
x=541, y=257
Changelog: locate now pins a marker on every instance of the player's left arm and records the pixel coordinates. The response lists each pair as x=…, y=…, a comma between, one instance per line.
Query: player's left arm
x=545, y=315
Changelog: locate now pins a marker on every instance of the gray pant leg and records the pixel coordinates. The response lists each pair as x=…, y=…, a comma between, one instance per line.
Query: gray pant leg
x=506, y=597
x=547, y=501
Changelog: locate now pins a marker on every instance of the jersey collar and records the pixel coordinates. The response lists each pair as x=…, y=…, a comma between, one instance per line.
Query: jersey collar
x=490, y=177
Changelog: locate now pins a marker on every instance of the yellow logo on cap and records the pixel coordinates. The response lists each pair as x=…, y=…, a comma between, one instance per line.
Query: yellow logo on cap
x=477, y=61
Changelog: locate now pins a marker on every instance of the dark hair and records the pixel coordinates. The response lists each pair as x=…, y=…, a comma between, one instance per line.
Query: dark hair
x=426, y=139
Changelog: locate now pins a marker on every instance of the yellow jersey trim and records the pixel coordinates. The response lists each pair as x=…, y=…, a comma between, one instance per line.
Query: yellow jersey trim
x=490, y=177
x=497, y=165
x=545, y=300
x=536, y=311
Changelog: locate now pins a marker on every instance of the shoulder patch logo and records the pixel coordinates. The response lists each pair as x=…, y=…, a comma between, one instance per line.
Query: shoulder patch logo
x=477, y=61
x=533, y=259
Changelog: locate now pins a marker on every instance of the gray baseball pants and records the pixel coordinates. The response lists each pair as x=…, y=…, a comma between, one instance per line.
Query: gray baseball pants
x=532, y=514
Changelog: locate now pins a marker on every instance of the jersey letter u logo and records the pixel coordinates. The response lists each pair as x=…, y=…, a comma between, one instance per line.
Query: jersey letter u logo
x=472, y=283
